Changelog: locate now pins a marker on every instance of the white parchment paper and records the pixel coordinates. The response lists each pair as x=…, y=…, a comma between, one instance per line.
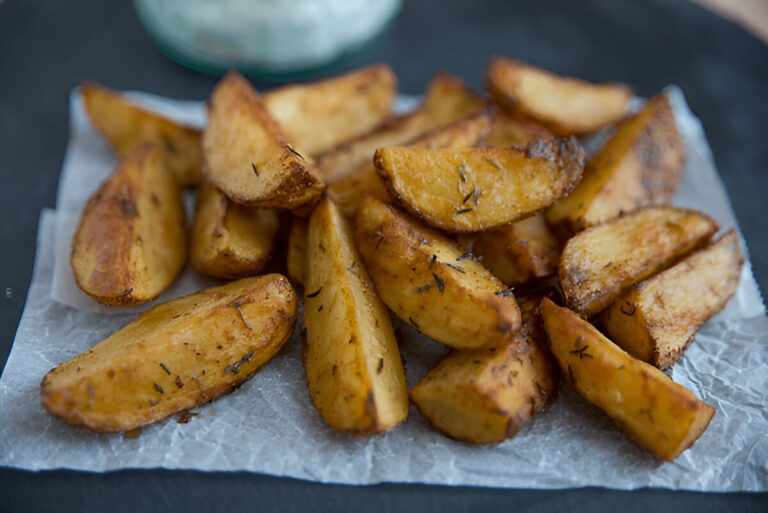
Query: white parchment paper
x=270, y=426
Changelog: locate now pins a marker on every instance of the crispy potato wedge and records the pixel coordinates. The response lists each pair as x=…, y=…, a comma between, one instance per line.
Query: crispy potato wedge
x=640, y=165
x=567, y=106
x=463, y=133
x=228, y=240
x=130, y=244
x=448, y=98
x=126, y=126
x=354, y=371
x=477, y=189
x=175, y=356
x=600, y=262
x=319, y=115
x=357, y=153
x=296, y=255
x=657, y=413
x=247, y=154
x=487, y=395
x=421, y=276
x=656, y=319
x=509, y=131
x=520, y=252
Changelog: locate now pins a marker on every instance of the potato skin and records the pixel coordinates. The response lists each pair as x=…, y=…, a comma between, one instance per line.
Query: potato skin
x=656, y=319
x=656, y=413
x=421, y=276
x=175, y=356
x=126, y=127
x=230, y=241
x=351, y=357
x=130, y=244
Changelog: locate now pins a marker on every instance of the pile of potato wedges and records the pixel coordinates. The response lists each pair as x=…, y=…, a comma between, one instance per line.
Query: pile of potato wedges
x=479, y=221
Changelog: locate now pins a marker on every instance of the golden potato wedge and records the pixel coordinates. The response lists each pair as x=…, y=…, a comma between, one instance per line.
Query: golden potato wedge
x=319, y=115
x=448, y=98
x=656, y=319
x=477, y=189
x=427, y=280
x=640, y=165
x=567, y=106
x=487, y=395
x=175, y=356
x=296, y=254
x=351, y=358
x=228, y=240
x=130, y=244
x=126, y=126
x=466, y=132
x=247, y=154
x=520, y=252
x=356, y=153
x=657, y=413
x=509, y=131
x=600, y=262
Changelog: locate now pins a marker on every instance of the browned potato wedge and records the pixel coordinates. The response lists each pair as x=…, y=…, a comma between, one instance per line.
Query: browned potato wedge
x=509, y=131
x=656, y=319
x=657, y=413
x=354, y=371
x=463, y=133
x=520, y=252
x=448, y=98
x=130, y=244
x=319, y=115
x=247, y=154
x=296, y=254
x=487, y=395
x=175, y=356
x=357, y=153
x=228, y=240
x=567, y=106
x=640, y=165
x=480, y=188
x=600, y=262
x=422, y=277
x=126, y=127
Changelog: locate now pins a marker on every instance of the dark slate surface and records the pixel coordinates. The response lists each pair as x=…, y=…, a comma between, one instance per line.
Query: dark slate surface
x=48, y=46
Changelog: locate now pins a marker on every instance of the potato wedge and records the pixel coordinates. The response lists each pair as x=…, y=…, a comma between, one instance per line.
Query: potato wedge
x=640, y=165
x=175, y=356
x=566, y=106
x=354, y=371
x=319, y=115
x=296, y=254
x=130, y=244
x=480, y=188
x=520, y=252
x=509, y=131
x=600, y=262
x=448, y=98
x=228, y=240
x=427, y=280
x=487, y=395
x=247, y=154
x=657, y=413
x=656, y=319
x=126, y=126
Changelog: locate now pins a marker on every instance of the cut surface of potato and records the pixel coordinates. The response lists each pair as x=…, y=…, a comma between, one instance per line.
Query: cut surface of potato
x=656, y=319
x=175, y=356
x=487, y=395
x=228, y=240
x=480, y=188
x=354, y=371
x=509, y=131
x=600, y=262
x=448, y=98
x=319, y=115
x=247, y=154
x=427, y=280
x=296, y=253
x=126, y=126
x=639, y=165
x=657, y=413
x=130, y=244
x=567, y=106
x=520, y=252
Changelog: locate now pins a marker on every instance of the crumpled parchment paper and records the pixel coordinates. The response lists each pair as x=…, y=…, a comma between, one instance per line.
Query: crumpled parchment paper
x=270, y=426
